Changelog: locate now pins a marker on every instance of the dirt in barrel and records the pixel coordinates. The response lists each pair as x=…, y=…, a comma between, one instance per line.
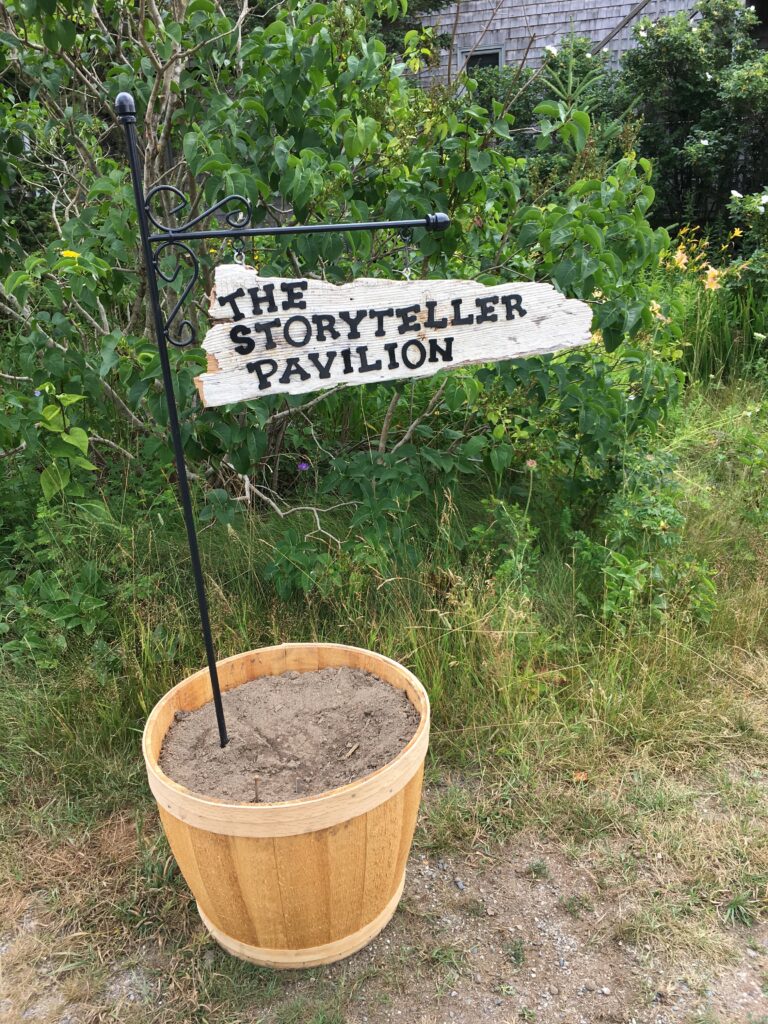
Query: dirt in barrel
x=291, y=736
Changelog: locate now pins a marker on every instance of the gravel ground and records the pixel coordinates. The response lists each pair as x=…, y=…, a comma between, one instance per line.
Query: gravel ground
x=524, y=934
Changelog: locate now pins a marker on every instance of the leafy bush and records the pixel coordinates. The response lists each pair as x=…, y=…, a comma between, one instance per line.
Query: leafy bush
x=574, y=87
x=701, y=87
x=312, y=119
x=639, y=564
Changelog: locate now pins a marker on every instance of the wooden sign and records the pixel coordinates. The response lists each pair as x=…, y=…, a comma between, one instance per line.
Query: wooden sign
x=273, y=335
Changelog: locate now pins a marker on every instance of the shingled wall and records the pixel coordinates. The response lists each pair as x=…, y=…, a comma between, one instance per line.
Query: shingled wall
x=509, y=25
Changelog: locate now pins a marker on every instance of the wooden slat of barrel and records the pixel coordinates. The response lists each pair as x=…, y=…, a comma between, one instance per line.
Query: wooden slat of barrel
x=276, y=899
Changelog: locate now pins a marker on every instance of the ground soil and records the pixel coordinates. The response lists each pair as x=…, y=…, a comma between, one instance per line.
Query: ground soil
x=522, y=933
x=291, y=736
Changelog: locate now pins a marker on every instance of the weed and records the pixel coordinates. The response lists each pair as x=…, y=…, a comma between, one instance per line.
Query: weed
x=514, y=951
x=707, y=1016
x=473, y=908
x=740, y=909
x=450, y=958
x=538, y=869
x=577, y=905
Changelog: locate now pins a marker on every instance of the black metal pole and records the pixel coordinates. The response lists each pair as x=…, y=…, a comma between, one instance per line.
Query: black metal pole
x=126, y=113
x=432, y=222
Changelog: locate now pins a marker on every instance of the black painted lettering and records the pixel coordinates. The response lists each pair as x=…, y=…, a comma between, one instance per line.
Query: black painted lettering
x=325, y=323
x=390, y=348
x=346, y=358
x=294, y=290
x=365, y=366
x=305, y=328
x=266, y=329
x=378, y=315
x=440, y=324
x=241, y=336
x=324, y=369
x=513, y=304
x=485, y=304
x=224, y=299
x=422, y=354
x=264, y=369
x=293, y=366
x=445, y=351
x=258, y=297
x=408, y=316
x=458, y=320
x=352, y=320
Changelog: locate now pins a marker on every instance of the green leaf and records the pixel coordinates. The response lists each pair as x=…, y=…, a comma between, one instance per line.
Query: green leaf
x=53, y=418
x=53, y=479
x=547, y=109
x=67, y=33
x=77, y=437
x=479, y=159
x=593, y=236
x=15, y=280
x=109, y=357
x=465, y=180
x=190, y=146
x=501, y=457
x=78, y=460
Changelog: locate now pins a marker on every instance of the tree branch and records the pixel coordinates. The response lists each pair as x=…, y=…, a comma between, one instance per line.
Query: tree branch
x=294, y=410
x=382, y=446
x=420, y=419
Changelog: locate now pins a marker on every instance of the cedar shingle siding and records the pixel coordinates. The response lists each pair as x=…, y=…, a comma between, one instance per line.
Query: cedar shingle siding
x=487, y=25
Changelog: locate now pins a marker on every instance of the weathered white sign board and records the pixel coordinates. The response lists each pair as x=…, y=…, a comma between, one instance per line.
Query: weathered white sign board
x=274, y=335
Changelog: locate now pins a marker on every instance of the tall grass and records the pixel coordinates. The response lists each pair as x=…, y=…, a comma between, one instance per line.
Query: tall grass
x=525, y=684
x=718, y=316
x=726, y=331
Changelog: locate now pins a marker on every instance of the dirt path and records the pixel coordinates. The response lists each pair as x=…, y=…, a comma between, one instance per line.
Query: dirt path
x=524, y=934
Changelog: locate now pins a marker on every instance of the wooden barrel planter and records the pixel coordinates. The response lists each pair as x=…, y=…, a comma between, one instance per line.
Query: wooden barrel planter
x=302, y=882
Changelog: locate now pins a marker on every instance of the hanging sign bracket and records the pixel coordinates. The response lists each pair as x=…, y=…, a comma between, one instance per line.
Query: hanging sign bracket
x=159, y=239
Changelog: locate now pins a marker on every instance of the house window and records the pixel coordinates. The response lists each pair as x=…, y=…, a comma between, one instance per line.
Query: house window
x=482, y=59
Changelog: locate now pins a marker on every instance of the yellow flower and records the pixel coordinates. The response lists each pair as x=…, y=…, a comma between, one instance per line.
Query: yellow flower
x=70, y=254
x=737, y=233
x=681, y=259
x=711, y=281
x=655, y=309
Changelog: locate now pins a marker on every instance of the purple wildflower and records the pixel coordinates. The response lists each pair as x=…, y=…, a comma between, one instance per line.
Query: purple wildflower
x=38, y=393
x=303, y=466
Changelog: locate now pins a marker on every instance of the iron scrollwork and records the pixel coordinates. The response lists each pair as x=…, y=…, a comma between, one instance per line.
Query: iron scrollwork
x=184, y=332
x=238, y=218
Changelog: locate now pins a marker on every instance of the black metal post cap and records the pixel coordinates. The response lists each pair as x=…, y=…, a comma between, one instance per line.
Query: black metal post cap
x=124, y=105
x=438, y=221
